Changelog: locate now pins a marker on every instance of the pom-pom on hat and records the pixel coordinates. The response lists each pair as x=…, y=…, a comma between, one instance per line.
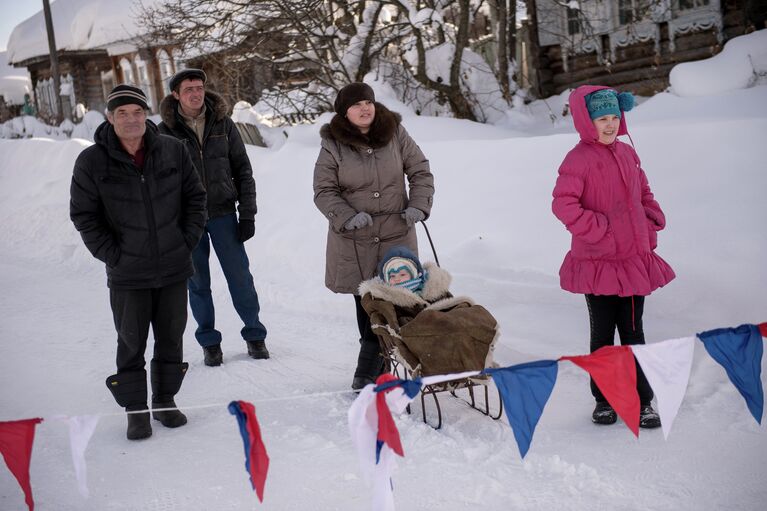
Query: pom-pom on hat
x=186, y=74
x=126, y=95
x=351, y=94
x=608, y=102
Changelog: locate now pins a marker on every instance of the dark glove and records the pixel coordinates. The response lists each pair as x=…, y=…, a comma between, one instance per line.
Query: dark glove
x=246, y=229
x=358, y=221
x=413, y=216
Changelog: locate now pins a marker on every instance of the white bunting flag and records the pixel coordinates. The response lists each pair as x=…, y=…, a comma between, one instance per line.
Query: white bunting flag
x=81, y=429
x=363, y=425
x=667, y=367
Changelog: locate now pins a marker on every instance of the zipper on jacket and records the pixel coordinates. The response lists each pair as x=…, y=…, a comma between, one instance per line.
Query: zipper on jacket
x=153, y=241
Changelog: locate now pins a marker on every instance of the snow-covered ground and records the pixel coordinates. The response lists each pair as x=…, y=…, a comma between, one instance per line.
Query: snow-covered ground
x=494, y=231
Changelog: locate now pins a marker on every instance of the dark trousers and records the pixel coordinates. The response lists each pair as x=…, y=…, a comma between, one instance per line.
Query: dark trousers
x=134, y=310
x=223, y=234
x=369, y=362
x=624, y=312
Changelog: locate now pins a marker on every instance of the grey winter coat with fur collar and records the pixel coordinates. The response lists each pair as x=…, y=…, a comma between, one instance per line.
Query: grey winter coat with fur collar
x=356, y=173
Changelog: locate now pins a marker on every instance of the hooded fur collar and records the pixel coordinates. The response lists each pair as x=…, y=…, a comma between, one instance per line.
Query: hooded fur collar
x=435, y=294
x=381, y=132
x=213, y=103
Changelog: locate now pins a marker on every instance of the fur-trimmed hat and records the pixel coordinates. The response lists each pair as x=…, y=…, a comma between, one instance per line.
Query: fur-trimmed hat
x=608, y=102
x=186, y=74
x=126, y=95
x=351, y=94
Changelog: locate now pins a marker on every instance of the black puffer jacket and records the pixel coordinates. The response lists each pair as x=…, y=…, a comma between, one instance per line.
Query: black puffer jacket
x=221, y=161
x=143, y=225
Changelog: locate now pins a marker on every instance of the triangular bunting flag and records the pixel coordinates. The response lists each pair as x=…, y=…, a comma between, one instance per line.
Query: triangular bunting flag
x=16, y=439
x=667, y=367
x=739, y=350
x=614, y=371
x=376, y=460
x=387, y=430
x=81, y=430
x=525, y=389
x=256, y=459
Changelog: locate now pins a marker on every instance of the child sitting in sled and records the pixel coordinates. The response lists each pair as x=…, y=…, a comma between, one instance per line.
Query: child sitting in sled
x=421, y=324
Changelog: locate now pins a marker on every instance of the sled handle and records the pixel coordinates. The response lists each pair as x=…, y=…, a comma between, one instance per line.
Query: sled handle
x=422, y=222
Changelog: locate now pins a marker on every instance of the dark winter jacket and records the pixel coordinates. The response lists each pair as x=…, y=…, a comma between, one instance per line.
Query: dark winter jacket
x=356, y=172
x=221, y=160
x=142, y=223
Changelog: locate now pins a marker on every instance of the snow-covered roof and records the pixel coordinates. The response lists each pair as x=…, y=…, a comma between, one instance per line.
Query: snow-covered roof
x=78, y=25
x=14, y=82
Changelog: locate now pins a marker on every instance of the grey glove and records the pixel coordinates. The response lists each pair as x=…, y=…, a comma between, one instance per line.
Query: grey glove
x=358, y=221
x=413, y=216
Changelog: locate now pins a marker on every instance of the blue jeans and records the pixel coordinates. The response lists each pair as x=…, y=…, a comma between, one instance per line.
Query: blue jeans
x=222, y=232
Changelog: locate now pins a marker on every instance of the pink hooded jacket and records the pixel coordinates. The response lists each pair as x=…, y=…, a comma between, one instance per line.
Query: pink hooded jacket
x=603, y=198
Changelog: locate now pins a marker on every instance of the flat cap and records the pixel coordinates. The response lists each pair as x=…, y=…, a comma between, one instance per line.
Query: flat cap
x=186, y=74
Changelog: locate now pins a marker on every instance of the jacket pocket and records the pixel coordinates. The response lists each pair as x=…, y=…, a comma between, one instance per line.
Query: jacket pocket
x=605, y=248
x=652, y=234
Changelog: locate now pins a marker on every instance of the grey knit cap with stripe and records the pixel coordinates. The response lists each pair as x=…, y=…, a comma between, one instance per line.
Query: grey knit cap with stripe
x=126, y=95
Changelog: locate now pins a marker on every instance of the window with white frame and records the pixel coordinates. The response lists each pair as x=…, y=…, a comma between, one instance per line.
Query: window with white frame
x=573, y=21
x=127, y=70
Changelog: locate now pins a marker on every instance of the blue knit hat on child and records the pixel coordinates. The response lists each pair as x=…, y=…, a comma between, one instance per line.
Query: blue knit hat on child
x=608, y=102
x=398, y=259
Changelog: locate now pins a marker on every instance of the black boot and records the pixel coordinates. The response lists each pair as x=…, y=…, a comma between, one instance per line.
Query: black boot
x=166, y=382
x=213, y=355
x=138, y=423
x=370, y=364
x=257, y=349
x=648, y=418
x=604, y=414
x=129, y=390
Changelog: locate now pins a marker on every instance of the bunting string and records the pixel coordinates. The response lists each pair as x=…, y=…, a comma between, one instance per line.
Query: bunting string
x=524, y=389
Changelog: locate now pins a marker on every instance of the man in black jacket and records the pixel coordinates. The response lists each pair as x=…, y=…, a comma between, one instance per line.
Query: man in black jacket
x=199, y=119
x=139, y=206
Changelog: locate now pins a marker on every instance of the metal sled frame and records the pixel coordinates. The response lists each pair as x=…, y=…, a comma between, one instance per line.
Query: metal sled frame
x=399, y=370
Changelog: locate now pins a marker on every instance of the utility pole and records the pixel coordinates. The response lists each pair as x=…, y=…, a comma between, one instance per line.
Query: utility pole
x=54, y=61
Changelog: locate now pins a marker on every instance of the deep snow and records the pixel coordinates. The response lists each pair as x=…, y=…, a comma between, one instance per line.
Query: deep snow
x=495, y=233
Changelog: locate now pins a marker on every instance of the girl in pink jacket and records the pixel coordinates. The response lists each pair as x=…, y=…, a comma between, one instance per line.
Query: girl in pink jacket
x=603, y=198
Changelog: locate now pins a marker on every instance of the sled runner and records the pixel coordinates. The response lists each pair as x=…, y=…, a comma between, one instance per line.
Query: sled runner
x=432, y=333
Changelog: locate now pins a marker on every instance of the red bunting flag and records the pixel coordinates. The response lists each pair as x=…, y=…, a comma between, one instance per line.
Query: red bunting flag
x=387, y=430
x=614, y=371
x=763, y=329
x=256, y=458
x=16, y=439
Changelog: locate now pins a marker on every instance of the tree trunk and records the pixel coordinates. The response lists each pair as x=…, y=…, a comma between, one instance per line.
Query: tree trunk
x=502, y=44
x=535, y=49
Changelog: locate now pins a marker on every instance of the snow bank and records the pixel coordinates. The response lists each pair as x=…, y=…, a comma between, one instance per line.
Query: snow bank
x=740, y=64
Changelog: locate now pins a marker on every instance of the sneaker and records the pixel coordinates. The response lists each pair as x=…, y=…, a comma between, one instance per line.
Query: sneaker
x=648, y=418
x=257, y=349
x=213, y=355
x=604, y=414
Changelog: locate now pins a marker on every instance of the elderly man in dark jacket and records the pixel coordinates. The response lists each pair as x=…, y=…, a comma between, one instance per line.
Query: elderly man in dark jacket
x=199, y=119
x=139, y=206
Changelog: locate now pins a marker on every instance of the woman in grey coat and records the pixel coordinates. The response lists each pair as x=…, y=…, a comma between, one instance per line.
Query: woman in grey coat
x=359, y=185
